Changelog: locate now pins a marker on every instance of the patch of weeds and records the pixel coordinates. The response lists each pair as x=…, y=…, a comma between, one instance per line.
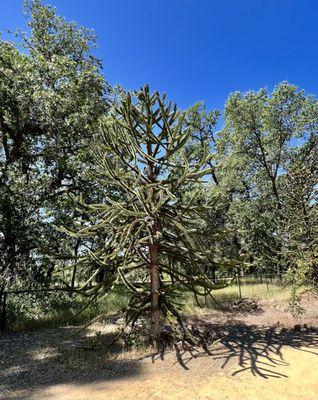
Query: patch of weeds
x=139, y=336
x=95, y=342
x=294, y=303
x=131, y=340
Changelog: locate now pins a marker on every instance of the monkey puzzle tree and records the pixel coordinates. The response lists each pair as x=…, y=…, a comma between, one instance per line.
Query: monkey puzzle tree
x=149, y=231
x=301, y=222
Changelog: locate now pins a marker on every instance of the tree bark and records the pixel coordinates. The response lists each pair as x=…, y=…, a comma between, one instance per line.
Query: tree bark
x=154, y=267
x=78, y=241
x=155, y=290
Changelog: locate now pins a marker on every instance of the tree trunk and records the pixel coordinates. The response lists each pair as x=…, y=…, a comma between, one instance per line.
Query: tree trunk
x=213, y=275
x=78, y=241
x=155, y=289
x=154, y=267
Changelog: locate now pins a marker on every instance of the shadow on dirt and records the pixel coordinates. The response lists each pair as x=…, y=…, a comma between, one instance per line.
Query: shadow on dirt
x=35, y=360
x=255, y=349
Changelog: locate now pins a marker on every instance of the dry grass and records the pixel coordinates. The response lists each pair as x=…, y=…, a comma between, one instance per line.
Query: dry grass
x=224, y=298
x=67, y=311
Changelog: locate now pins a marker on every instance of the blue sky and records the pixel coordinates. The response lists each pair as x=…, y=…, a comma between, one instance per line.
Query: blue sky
x=196, y=49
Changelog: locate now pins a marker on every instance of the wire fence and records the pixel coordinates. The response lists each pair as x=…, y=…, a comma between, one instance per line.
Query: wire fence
x=243, y=287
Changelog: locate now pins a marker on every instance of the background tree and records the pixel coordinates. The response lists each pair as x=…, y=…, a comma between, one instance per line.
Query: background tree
x=261, y=134
x=51, y=95
x=203, y=124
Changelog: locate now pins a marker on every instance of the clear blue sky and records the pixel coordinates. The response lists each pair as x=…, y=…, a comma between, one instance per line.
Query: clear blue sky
x=197, y=49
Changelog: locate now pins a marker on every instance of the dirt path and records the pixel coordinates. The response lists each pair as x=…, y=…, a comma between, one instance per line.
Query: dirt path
x=293, y=375
x=261, y=355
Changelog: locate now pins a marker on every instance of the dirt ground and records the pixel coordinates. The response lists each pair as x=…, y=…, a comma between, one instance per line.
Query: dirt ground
x=262, y=354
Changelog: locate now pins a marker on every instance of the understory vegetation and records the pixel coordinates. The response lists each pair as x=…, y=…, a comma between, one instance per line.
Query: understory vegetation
x=30, y=312
x=133, y=206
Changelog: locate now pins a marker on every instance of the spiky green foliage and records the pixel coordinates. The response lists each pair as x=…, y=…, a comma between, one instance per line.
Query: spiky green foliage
x=151, y=220
x=301, y=224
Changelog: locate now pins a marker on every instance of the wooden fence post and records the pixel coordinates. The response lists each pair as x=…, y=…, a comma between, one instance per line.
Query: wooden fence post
x=3, y=301
x=239, y=284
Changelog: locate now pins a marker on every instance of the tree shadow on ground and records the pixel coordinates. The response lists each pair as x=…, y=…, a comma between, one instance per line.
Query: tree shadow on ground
x=60, y=356
x=255, y=349
x=36, y=360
